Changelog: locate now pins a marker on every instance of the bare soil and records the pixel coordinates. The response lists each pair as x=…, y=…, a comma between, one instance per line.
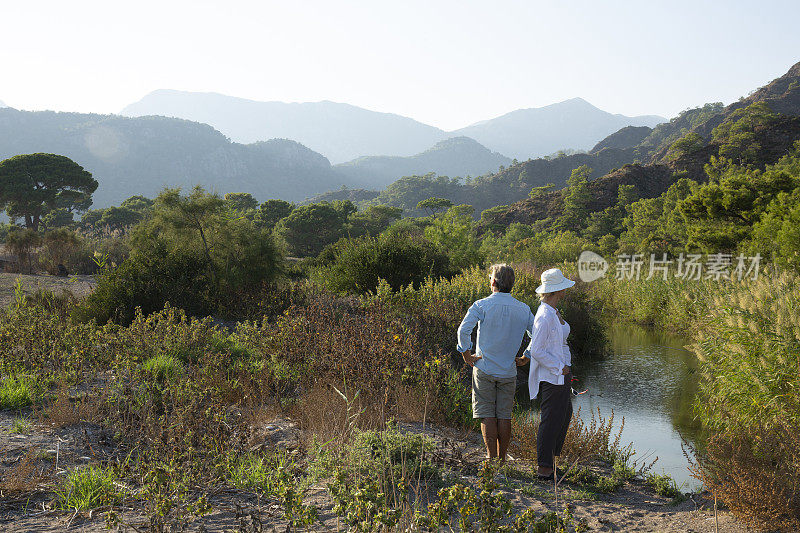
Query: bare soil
x=78, y=286
x=41, y=458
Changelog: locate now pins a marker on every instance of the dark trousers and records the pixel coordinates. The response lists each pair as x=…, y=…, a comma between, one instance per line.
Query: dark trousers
x=556, y=405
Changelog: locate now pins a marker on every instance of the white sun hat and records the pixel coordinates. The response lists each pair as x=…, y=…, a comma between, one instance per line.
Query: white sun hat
x=553, y=280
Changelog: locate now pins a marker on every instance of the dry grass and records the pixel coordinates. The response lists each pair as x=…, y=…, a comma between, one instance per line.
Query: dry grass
x=755, y=474
x=25, y=476
x=64, y=411
x=597, y=439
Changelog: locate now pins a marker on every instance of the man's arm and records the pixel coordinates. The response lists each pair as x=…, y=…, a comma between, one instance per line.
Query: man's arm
x=525, y=358
x=473, y=316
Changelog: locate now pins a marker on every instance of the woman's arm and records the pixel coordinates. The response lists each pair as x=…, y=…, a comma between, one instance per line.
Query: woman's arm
x=538, y=347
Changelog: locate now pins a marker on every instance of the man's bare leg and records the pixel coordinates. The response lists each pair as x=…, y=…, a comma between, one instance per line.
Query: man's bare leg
x=503, y=437
x=489, y=430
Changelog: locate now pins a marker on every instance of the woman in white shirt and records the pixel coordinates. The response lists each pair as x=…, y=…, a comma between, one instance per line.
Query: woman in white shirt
x=550, y=373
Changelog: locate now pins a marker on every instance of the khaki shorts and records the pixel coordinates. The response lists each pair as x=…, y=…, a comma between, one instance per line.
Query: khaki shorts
x=492, y=397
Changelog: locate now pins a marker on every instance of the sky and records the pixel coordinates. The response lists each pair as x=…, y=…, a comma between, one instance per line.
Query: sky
x=446, y=63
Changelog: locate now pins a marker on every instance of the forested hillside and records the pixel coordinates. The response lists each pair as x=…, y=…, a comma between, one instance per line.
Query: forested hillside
x=506, y=186
x=750, y=131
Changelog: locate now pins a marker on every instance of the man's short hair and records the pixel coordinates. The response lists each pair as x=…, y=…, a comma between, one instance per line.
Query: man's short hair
x=503, y=275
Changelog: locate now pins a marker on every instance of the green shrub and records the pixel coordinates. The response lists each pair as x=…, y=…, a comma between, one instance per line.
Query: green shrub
x=191, y=253
x=549, y=248
x=21, y=426
x=399, y=451
x=148, y=279
x=257, y=472
x=356, y=265
x=623, y=470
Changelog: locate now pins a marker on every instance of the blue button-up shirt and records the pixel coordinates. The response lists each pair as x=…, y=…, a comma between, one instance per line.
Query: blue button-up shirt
x=502, y=323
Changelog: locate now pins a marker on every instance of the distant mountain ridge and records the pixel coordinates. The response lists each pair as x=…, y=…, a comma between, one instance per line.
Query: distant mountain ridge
x=339, y=131
x=457, y=156
x=343, y=132
x=131, y=156
x=530, y=133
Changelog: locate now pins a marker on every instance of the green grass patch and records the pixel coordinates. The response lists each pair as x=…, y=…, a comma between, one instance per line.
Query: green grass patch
x=396, y=451
x=16, y=392
x=256, y=472
x=536, y=492
x=582, y=494
x=665, y=486
x=623, y=470
x=88, y=488
x=21, y=426
x=593, y=481
x=163, y=367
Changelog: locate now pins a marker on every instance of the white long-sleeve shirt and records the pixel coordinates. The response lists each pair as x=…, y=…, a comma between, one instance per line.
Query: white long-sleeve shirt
x=548, y=349
x=502, y=323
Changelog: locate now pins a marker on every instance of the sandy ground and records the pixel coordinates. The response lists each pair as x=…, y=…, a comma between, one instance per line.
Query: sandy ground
x=79, y=286
x=635, y=507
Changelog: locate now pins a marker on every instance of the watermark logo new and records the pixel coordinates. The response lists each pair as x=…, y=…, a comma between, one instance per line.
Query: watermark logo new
x=591, y=266
x=717, y=267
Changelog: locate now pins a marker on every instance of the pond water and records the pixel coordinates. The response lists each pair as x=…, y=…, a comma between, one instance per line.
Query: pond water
x=651, y=381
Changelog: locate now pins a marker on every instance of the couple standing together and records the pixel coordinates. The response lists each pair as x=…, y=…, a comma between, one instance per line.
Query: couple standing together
x=502, y=323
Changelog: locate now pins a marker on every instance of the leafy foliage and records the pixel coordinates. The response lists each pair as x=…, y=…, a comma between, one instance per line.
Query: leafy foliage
x=356, y=265
x=576, y=199
x=434, y=205
x=191, y=253
x=455, y=233
x=736, y=134
x=33, y=184
x=309, y=228
x=22, y=242
x=271, y=211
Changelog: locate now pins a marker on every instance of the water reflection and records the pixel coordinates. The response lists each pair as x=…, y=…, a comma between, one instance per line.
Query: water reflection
x=651, y=380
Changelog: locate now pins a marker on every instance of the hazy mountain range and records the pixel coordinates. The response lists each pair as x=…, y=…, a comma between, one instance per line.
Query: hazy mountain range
x=142, y=155
x=457, y=156
x=531, y=133
x=130, y=156
x=343, y=132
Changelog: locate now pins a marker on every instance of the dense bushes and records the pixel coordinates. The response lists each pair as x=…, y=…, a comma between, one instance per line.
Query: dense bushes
x=191, y=253
x=749, y=352
x=444, y=302
x=147, y=280
x=356, y=265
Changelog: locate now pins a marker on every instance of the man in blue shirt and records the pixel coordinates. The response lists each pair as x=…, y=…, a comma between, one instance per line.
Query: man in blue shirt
x=502, y=323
